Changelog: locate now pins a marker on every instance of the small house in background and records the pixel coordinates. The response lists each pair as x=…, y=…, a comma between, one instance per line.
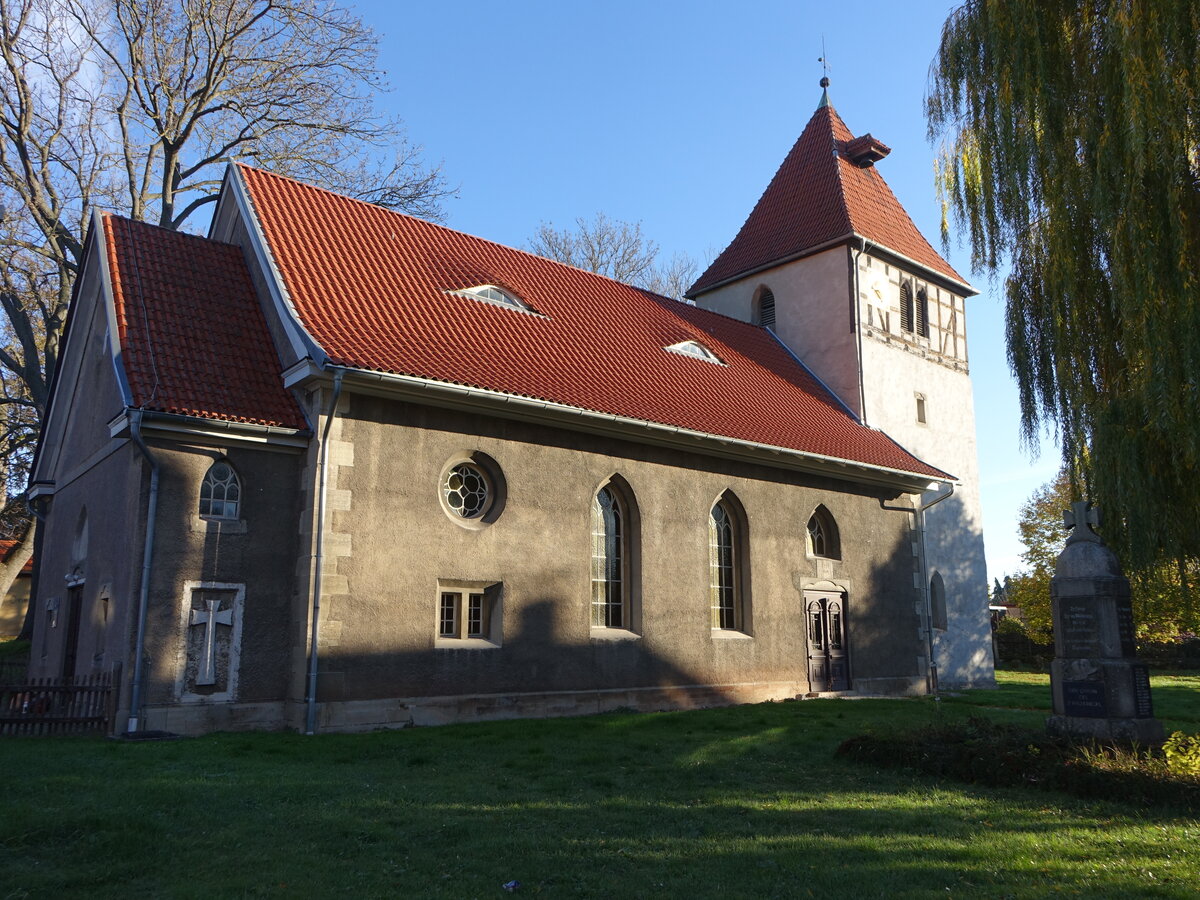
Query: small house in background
x=16, y=601
x=334, y=467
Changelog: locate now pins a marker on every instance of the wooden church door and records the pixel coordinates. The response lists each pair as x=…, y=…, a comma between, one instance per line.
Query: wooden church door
x=828, y=666
x=71, y=636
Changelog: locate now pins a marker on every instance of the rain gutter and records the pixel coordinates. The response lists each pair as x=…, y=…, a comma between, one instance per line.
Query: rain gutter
x=139, y=669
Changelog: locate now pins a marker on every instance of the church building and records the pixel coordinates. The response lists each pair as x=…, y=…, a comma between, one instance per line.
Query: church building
x=332, y=467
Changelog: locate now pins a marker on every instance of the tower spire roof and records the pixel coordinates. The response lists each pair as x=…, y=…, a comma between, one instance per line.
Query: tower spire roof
x=826, y=191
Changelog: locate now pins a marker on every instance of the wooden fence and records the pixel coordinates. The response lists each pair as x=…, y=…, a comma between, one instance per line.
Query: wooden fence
x=84, y=704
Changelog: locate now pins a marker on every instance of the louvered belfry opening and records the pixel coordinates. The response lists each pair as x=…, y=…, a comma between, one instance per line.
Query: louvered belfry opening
x=766, y=309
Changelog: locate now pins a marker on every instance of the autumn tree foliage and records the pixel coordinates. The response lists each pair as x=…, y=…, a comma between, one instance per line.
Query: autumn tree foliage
x=1163, y=604
x=1071, y=157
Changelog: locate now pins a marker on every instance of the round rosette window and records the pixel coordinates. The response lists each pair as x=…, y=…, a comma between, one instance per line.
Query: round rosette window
x=467, y=491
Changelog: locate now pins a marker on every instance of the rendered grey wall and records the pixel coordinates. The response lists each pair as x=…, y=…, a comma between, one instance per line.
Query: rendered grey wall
x=258, y=551
x=396, y=542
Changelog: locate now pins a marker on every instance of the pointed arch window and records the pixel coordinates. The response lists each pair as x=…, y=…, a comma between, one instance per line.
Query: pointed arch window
x=906, y=307
x=937, y=602
x=764, y=311
x=922, y=312
x=823, y=538
x=609, y=560
x=725, y=565
x=220, y=492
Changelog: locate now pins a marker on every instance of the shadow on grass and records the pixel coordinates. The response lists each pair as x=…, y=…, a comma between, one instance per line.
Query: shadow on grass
x=741, y=802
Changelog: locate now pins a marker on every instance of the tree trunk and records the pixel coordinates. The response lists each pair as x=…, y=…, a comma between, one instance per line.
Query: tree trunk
x=10, y=569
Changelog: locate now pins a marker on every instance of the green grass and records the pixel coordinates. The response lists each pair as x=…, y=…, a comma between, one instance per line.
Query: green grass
x=741, y=802
x=1176, y=696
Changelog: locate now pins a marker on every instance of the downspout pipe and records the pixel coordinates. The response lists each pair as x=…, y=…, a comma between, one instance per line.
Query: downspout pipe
x=310, y=726
x=920, y=515
x=139, y=669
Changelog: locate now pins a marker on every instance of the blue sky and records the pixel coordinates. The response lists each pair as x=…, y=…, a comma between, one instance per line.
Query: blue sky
x=676, y=115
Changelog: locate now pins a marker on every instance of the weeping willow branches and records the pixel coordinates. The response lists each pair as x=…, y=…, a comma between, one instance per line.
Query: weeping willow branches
x=1071, y=152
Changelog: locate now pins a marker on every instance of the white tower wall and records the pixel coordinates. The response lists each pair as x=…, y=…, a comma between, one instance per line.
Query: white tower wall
x=815, y=319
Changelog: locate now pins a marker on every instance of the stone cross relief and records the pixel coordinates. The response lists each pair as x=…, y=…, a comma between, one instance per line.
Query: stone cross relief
x=1082, y=517
x=210, y=618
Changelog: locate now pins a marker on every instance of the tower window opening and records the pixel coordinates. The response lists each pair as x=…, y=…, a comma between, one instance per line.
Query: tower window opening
x=765, y=311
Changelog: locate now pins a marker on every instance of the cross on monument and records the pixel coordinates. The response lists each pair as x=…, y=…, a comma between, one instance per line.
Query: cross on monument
x=1082, y=517
x=210, y=618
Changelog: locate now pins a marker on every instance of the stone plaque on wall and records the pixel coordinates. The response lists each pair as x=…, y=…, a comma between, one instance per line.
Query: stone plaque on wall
x=1084, y=698
x=211, y=646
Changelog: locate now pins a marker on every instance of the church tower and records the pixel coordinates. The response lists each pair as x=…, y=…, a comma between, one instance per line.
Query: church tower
x=831, y=263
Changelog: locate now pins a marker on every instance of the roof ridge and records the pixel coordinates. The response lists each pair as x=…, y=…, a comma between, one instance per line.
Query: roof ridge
x=108, y=214
x=446, y=228
x=837, y=168
x=377, y=304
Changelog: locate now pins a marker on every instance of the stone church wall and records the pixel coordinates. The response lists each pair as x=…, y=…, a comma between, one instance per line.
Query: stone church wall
x=244, y=567
x=396, y=549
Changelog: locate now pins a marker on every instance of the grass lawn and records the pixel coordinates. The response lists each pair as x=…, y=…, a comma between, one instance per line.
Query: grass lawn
x=741, y=802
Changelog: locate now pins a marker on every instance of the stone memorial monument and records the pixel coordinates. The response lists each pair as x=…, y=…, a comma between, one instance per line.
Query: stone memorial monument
x=1100, y=688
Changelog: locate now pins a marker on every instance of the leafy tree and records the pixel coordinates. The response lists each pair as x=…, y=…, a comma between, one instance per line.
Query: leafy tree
x=136, y=106
x=618, y=250
x=1071, y=131
x=1042, y=532
x=1161, y=602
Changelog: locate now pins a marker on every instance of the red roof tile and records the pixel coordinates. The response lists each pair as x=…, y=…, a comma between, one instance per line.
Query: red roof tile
x=819, y=196
x=6, y=548
x=370, y=286
x=193, y=338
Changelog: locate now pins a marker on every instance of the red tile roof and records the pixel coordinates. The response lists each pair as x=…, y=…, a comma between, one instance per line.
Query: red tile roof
x=6, y=548
x=819, y=196
x=370, y=286
x=193, y=338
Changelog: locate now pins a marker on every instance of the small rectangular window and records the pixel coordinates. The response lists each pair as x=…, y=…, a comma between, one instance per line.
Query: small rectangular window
x=920, y=410
x=468, y=612
x=475, y=627
x=448, y=620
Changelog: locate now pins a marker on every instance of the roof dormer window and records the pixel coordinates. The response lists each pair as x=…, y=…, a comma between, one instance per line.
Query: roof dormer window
x=696, y=350
x=497, y=296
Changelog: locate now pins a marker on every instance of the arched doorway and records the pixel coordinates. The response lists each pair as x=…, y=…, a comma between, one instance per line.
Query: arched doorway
x=828, y=663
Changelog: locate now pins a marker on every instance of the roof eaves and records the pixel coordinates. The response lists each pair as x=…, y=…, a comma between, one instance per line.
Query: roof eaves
x=783, y=260
x=933, y=274
x=515, y=406
x=174, y=425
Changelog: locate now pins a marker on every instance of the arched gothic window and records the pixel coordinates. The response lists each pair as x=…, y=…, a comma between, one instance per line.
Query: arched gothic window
x=823, y=539
x=220, y=492
x=922, y=312
x=906, y=307
x=725, y=567
x=937, y=602
x=609, y=560
x=764, y=312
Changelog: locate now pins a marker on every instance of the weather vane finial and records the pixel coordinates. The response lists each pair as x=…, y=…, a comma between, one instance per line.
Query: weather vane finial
x=823, y=59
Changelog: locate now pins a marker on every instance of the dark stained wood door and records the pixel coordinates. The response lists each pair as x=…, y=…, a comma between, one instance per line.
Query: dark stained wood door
x=828, y=662
x=71, y=636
